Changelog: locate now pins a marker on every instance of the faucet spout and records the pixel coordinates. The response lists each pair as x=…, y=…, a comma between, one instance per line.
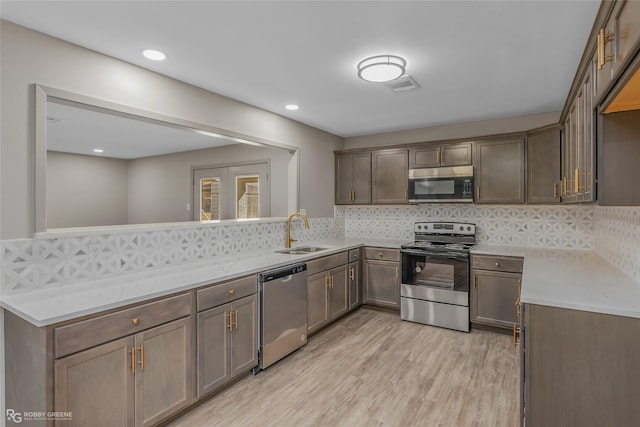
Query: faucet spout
x=306, y=225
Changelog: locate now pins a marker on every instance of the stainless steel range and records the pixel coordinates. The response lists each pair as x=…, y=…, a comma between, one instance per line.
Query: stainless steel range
x=435, y=275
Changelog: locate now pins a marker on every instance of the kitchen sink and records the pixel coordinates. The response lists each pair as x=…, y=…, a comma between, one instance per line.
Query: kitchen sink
x=302, y=250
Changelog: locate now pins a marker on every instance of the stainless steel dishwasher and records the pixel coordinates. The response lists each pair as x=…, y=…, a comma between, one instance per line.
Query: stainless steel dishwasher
x=283, y=313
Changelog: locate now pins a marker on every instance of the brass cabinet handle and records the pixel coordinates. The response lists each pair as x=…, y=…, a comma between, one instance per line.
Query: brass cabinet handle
x=555, y=190
x=576, y=184
x=516, y=335
x=498, y=264
x=133, y=360
x=141, y=362
x=603, y=40
x=135, y=320
x=236, y=316
x=327, y=281
x=396, y=273
x=230, y=326
x=232, y=291
x=352, y=273
x=518, y=307
x=331, y=280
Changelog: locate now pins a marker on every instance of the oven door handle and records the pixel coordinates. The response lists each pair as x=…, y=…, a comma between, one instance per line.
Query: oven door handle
x=452, y=255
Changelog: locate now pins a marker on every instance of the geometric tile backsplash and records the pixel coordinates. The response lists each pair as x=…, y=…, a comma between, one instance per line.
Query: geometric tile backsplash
x=28, y=264
x=526, y=225
x=617, y=237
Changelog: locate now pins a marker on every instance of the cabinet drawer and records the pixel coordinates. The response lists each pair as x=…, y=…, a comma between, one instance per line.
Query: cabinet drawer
x=88, y=333
x=354, y=255
x=327, y=263
x=497, y=263
x=226, y=292
x=382, y=254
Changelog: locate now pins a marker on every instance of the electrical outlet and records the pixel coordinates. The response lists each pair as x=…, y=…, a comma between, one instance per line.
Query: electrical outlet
x=94, y=251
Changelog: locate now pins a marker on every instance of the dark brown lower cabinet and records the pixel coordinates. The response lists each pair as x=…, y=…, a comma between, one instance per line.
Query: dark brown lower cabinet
x=579, y=368
x=227, y=342
x=134, y=381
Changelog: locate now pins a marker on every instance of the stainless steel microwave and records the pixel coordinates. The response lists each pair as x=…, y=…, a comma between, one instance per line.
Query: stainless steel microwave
x=444, y=184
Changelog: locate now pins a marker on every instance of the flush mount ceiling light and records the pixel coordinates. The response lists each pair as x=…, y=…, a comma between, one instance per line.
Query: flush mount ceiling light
x=291, y=107
x=381, y=68
x=154, y=55
x=98, y=150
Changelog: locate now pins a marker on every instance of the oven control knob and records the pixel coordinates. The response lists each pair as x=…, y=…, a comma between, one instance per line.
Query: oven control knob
x=461, y=228
x=468, y=228
x=418, y=269
x=419, y=227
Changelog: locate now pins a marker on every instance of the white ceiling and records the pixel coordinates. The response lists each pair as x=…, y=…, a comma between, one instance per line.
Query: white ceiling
x=474, y=60
x=77, y=129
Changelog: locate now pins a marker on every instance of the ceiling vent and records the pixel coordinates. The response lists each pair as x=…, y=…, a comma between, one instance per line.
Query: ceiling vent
x=402, y=84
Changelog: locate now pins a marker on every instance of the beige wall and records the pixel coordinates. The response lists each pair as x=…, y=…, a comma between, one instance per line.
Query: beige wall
x=30, y=57
x=85, y=190
x=160, y=186
x=455, y=131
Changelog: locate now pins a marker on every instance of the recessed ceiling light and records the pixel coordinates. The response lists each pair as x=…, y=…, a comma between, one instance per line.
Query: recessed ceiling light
x=154, y=55
x=98, y=150
x=291, y=107
x=381, y=68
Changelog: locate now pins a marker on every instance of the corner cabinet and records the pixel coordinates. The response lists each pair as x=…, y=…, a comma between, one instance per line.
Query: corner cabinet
x=431, y=155
x=227, y=332
x=390, y=176
x=578, y=368
x=500, y=171
x=382, y=277
x=543, y=166
x=353, y=178
x=495, y=290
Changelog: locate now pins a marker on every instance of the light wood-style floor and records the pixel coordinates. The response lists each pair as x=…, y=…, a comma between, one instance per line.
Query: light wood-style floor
x=372, y=369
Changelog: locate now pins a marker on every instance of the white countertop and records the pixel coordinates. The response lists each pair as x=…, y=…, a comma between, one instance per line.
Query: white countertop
x=580, y=280
x=57, y=304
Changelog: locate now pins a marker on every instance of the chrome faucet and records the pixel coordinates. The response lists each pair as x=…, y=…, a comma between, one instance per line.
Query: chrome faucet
x=306, y=225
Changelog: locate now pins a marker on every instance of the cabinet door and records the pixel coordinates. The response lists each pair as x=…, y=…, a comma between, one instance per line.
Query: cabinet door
x=627, y=27
x=455, y=155
x=382, y=283
x=543, y=167
x=362, y=178
x=500, y=171
x=344, y=179
x=604, y=72
x=317, y=288
x=338, y=293
x=164, y=376
x=97, y=385
x=214, y=367
x=493, y=298
x=355, y=285
x=390, y=176
x=244, y=337
x=586, y=163
x=424, y=157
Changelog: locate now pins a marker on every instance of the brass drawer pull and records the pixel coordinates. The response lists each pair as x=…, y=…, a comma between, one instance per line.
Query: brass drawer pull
x=136, y=320
x=516, y=335
x=133, y=360
x=232, y=291
x=498, y=264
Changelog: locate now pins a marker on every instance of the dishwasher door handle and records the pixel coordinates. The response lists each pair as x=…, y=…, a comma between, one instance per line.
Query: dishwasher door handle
x=287, y=278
